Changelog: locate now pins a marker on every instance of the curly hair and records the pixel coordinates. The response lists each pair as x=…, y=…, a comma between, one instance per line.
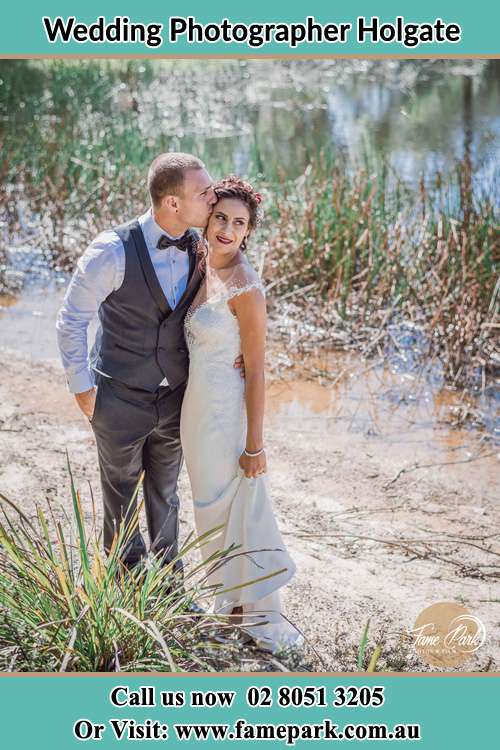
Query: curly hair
x=234, y=187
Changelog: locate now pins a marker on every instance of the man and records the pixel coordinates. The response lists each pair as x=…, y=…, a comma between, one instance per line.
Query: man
x=140, y=278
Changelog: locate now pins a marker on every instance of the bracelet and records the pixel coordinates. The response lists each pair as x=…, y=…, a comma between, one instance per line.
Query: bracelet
x=253, y=455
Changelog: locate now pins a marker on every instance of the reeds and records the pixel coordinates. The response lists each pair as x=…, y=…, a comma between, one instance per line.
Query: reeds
x=362, y=252
x=64, y=606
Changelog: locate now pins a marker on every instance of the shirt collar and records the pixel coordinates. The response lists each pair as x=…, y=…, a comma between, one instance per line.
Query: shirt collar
x=151, y=230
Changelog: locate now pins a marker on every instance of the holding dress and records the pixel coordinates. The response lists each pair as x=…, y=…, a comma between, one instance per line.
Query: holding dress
x=213, y=434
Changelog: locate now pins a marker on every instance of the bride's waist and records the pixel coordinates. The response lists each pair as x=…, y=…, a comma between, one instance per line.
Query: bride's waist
x=222, y=360
x=222, y=370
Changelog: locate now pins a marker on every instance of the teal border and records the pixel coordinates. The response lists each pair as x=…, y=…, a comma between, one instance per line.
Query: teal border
x=22, y=32
x=456, y=712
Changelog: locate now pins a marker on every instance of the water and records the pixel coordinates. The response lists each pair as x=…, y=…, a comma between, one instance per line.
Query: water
x=274, y=117
x=268, y=116
x=398, y=399
x=375, y=410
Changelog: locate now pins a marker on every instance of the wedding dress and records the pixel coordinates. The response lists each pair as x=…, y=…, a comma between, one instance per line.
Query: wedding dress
x=213, y=434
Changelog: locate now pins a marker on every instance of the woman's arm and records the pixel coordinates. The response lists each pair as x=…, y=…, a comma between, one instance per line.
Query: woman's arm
x=250, y=309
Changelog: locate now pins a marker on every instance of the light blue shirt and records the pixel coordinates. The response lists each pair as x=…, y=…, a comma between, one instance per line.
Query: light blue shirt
x=100, y=271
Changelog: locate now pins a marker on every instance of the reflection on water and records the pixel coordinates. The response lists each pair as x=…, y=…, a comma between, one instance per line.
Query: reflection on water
x=275, y=117
x=375, y=403
x=269, y=116
x=370, y=398
x=28, y=327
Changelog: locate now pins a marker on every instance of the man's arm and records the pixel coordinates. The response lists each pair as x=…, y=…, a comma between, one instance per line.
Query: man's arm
x=99, y=271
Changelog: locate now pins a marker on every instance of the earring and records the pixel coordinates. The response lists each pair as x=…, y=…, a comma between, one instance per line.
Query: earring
x=243, y=245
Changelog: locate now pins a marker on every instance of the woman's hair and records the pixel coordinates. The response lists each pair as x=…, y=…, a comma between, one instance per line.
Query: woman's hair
x=234, y=187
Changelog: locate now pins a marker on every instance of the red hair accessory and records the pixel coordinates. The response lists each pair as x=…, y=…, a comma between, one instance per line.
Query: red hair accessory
x=258, y=197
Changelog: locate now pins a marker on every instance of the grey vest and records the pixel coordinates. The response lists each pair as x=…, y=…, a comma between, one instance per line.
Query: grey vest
x=142, y=338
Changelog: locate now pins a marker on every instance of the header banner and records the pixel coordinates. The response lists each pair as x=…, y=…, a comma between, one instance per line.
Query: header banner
x=153, y=28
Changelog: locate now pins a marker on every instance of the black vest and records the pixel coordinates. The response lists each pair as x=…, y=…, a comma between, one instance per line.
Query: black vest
x=142, y=338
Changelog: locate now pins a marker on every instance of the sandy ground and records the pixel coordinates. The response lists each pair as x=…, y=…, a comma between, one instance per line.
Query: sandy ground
x=349, y=522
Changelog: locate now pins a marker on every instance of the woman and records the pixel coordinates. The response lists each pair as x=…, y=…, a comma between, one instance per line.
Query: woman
x=222, y=425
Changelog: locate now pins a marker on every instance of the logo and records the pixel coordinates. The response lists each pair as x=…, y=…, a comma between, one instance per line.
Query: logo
x=446, y=634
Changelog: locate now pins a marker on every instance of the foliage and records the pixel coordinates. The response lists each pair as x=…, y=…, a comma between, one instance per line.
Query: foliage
x=64, y=606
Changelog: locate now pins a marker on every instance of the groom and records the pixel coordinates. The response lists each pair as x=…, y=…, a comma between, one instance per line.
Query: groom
x=140, y=279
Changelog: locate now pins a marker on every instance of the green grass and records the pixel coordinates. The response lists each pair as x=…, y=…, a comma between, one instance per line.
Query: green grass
x=362, y=652
x=65, y=606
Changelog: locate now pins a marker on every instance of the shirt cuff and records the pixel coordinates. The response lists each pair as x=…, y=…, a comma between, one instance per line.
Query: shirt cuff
x=80, y=381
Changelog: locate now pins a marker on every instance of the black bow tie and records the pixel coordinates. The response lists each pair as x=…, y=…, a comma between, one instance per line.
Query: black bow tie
x=181, y=243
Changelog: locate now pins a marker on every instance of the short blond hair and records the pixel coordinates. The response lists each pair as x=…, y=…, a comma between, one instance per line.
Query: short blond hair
x=166, y=174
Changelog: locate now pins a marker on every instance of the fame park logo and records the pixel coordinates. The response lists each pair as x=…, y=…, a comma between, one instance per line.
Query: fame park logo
x=446, y=634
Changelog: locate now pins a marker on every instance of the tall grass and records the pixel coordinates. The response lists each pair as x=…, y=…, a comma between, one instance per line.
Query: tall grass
x=64, y=606
x=356, y=250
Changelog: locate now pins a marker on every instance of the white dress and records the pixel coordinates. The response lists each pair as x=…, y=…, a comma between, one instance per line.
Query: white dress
x=213, y=434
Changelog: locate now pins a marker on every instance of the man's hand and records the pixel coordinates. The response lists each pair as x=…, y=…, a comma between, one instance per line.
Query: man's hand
x=239, y=363
x=86, y=402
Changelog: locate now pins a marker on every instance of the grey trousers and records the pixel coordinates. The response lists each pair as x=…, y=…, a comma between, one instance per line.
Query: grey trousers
x=139, y=431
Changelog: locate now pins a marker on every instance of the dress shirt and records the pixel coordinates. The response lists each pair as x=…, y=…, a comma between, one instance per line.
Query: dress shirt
x=100, y=271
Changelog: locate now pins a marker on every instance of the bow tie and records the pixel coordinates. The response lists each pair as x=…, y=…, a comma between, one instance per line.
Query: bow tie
x=181, y=243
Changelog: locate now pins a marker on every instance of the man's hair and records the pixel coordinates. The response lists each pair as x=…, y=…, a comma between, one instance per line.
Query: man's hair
x=166, y=174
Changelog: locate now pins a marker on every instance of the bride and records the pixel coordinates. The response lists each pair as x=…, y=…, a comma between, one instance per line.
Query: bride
x=222, y=425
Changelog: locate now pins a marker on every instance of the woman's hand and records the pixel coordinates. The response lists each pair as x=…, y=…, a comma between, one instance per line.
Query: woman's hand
x=253, y=466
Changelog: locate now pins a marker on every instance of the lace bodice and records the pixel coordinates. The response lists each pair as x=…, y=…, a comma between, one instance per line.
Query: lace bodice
x=210, y=326
x=215, y=390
